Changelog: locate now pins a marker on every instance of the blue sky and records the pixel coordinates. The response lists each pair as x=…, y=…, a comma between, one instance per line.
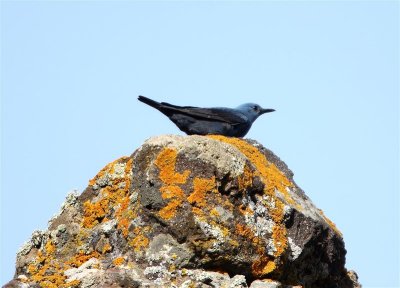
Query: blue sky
x=71, y=72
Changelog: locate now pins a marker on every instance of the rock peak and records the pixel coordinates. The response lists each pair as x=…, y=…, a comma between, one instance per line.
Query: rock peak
x=188, y=211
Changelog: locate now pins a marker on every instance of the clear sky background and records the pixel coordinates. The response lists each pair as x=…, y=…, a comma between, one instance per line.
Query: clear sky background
x=71, y=73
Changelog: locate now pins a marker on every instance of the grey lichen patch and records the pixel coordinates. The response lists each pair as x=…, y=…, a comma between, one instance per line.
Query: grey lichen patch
x=201, y=278
x=70, y=203
x=108, y=226
x=86, y=270
x=156, y=272
x=224, y=215
x=119, y=171
x=296, y=250
x=224, y=157
x=163, y=248
x=268, y=284
x=36, y=241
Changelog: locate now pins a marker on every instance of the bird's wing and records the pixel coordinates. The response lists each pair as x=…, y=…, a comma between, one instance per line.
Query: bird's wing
x=226, y=115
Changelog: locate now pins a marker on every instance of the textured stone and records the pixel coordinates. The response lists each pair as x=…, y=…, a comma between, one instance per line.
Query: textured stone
x=189, y=211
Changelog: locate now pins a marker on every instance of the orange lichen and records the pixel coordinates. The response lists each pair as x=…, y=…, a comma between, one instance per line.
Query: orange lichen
x=140, y=241
x=274, y=180
x=113, y=196
x=72, y=284
x=244, y=231
x=169, y=211
x=108, y=169
x=200, y=213
x=117, y=196
x=177, y=195
x=279, y=234
x=50, y=247
x=42, y=269
x=246, y=179
x=106, y=248
x=47, y=269
x=166, y=161
x=246, y=210
x=172, y=191
x=262, y=266
x=94, y=213
x=80, y=258
x=200, y=188
x=118, y=261
x=214, y=212
x=171, y=179
x=123, y=225
x=225, y=231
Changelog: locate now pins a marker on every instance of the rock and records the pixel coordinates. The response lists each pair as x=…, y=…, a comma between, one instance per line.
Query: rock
x=188, y=211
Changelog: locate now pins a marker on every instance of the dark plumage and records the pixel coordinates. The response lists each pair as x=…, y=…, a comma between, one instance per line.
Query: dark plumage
x=204, y=121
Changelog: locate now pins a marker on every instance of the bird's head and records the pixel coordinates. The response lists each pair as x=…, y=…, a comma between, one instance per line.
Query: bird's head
x=252, y=111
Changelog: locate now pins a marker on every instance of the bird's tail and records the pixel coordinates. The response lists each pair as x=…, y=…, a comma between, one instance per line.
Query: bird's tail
x=150, y=102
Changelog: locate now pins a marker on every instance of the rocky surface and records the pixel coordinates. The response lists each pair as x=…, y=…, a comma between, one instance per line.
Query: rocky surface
x=189, y=211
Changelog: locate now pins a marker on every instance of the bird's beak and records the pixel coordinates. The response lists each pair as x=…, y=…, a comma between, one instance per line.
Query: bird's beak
x=266, y=111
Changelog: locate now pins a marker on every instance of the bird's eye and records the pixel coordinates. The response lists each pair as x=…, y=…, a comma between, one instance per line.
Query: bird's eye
x=255, y=108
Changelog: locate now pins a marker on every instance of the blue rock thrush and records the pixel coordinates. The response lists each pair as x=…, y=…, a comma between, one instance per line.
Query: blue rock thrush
x=204, y=121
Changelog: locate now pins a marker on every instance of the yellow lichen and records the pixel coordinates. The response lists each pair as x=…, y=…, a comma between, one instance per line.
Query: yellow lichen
x=112, y=202
x=169, y=211
x=262, y=266
x=50, y=247
x=166, y=161
x=200, y=188
x=118, y=261
x=81, y=257
x=246, y=210
x=140, y=241
x=244, y=231
x=123, y=225
x=72, y=284
x=108, y=169
x=172, y=268
x=199, y=198
x=246, y=179
x=42, y=269
x=200, y=213
x=47, y=270
x=214, y=212
x=274, y=180
x=113, y=195
x=106, y=248
x=234, y=243
x=94, y=213
x=172, y=191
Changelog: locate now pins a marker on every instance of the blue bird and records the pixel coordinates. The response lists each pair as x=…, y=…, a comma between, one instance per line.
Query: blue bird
x=205, y=121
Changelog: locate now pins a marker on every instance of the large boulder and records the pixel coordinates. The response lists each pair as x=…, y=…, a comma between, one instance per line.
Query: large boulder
x=189, y=211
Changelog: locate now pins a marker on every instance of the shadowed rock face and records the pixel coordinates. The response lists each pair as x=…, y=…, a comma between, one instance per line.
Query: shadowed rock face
x=189, y=211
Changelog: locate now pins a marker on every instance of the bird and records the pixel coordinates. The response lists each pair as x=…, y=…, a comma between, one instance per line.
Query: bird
x=231, y=122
